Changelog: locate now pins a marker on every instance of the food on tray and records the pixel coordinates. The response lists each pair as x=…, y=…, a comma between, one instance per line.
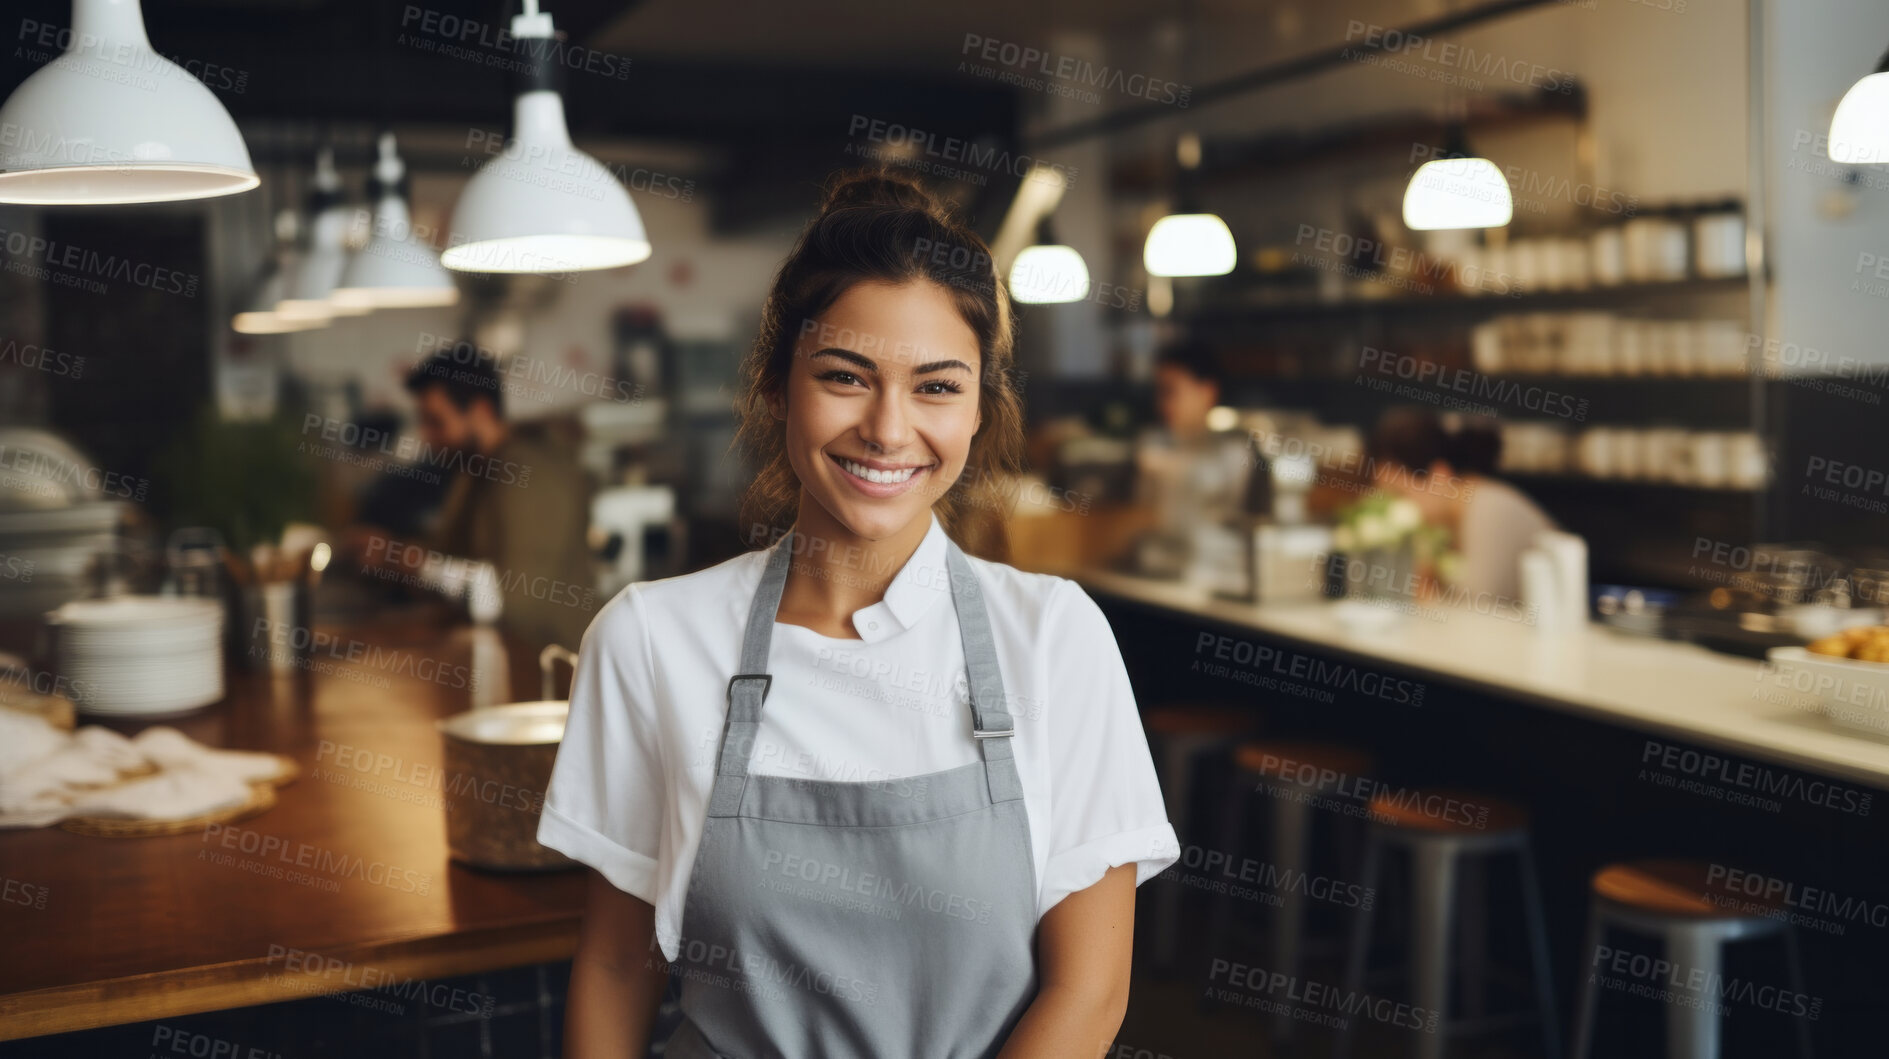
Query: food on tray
x=1865, y=643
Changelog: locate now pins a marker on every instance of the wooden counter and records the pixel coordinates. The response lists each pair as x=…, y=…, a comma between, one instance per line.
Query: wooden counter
x=345, y=883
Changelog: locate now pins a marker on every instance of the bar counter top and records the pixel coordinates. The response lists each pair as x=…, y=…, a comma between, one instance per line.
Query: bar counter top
x=345, y=883
x=1665, y=688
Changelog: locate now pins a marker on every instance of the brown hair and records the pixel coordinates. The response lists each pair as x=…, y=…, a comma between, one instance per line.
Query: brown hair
x=876, y=225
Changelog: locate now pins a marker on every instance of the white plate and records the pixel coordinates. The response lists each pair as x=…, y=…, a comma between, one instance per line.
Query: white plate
x=138, y=610
x=1853, y=694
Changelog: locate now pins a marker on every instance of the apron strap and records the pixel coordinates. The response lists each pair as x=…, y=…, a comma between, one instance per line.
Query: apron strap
x=748, y=688
x=991, y=722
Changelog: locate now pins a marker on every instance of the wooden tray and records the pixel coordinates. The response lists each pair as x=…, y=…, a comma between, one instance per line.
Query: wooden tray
x=261, y=797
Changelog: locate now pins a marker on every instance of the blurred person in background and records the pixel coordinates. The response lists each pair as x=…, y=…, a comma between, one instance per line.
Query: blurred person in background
x=1450, y=475
x=1191, y=476
x=510, y=538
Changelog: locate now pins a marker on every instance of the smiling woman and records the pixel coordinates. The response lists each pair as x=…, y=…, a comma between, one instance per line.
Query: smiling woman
x=909, y=815
x=884, y=294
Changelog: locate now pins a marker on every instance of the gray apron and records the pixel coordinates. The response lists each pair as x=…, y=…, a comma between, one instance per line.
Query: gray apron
x=876, y=919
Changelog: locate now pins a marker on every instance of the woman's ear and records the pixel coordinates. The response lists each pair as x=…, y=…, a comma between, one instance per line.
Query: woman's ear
x=777, y=405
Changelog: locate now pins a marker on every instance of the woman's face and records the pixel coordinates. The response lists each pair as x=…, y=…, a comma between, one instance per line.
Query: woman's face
x=881, y=401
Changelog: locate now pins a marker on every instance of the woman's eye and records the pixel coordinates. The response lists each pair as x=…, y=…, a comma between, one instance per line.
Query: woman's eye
x=841, y=376
x=944, y=386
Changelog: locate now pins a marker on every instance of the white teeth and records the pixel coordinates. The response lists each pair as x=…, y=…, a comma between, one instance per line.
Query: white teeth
x=881, y=477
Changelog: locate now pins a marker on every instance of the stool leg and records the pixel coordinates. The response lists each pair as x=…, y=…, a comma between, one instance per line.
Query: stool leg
x=1794, y=965
x=1360, y=945
x=1236, y=805
x=1538, y=949
x=1472, y=936
x=1584, y=1008
x=1176, y=784
x=1291, y=826
x=1433, y=891
x=1692, y=1031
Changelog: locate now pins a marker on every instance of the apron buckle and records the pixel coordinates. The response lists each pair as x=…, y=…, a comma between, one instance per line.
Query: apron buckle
x=765, y=688
x=992, y=733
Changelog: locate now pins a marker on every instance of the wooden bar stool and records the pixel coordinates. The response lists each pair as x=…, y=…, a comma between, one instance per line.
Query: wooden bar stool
x=1293, y=774
x=1180, y=733
x=1441, y=830
x=1670, y=900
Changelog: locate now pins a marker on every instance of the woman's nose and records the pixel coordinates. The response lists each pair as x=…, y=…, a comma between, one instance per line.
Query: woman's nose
x=886, y=427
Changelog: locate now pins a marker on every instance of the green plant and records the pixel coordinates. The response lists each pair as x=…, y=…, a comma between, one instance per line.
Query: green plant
x=247, y=480
x=1383, y=522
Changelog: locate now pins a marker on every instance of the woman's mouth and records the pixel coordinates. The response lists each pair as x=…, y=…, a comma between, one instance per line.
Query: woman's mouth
x=880, y=481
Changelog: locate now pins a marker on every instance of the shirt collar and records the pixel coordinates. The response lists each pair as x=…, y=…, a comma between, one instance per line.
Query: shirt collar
x=911, y=592
x=917, y=585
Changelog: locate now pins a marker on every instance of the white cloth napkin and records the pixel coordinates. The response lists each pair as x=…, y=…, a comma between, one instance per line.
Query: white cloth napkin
x=47, y=775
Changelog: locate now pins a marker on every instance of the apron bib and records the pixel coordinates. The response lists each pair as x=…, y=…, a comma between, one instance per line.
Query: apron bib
x=877, y=919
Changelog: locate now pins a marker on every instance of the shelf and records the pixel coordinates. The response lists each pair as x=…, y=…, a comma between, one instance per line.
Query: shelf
x=1573, y=482
x=1257, y=310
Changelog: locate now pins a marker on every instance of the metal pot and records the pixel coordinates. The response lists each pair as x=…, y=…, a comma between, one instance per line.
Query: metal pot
x=498, y=763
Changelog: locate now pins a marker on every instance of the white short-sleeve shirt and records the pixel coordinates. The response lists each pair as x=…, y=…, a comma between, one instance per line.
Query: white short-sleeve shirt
x=629, y=793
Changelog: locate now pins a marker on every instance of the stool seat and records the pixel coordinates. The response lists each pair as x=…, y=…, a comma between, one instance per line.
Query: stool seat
x=1304, y=764
x=1200, y=719
x=1694, y=918
x=1680, y=888
x=1445, y=811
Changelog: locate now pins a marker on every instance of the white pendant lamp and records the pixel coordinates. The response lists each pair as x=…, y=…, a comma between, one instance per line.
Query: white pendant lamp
x=312, y=282
x=1457, y=191
x=259, y=315
x=394, y=270
x=542, y=205
x=1859, y=133
x=1189, y=242
x=112, y=121
x=1048, y=273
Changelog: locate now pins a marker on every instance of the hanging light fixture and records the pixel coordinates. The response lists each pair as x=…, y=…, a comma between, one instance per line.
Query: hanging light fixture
x=1859, y=132
x=259, y=315
x=542, y=205
x=1459, y=190
x=394, y=270
x=317, y=272
x=1189, y=241
x=1189, y=244
x=79, y=135
x=1049, y=272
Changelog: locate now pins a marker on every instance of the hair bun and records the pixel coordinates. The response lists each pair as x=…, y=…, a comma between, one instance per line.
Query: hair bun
x=880, y=188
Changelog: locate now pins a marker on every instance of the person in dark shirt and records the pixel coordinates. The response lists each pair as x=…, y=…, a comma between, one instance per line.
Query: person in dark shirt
x=511, y=534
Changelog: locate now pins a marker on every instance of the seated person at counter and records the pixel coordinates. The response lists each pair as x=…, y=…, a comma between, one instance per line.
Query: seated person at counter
x=510, y=536
x=1450, y=477
x=1191, y=476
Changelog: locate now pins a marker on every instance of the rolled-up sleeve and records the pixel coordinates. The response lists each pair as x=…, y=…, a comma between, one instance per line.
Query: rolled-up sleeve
x=1105, y=801
x=604, y=805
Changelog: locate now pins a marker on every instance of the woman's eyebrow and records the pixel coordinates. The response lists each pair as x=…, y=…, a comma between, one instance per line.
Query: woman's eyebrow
x=867, y=362
x=847, y=355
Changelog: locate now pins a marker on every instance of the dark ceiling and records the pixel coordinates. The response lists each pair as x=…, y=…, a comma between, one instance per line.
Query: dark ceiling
x=772, y=128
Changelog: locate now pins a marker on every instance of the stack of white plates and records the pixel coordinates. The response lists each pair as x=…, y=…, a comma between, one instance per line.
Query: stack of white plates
x=132, y=655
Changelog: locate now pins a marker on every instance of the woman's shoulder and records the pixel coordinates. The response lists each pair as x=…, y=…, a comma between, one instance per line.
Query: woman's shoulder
x=1031, y=595
x=684, y=599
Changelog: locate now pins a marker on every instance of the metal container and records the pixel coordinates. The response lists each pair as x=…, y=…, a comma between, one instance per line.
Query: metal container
x=497, y=765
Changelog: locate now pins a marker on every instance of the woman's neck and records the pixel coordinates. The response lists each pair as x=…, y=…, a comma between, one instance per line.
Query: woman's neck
x=835, y=572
